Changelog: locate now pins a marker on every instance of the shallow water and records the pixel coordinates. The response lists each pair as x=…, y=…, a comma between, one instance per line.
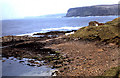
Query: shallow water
x=12, y=67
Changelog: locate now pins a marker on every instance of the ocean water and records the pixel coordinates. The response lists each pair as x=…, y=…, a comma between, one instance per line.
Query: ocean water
x=45, y=24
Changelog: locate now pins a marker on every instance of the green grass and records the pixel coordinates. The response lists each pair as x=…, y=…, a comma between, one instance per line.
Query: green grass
x=112, y=72
x=110, y=32
x=113, y=22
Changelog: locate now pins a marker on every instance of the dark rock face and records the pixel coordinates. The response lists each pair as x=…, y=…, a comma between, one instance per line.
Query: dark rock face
x=99, y=10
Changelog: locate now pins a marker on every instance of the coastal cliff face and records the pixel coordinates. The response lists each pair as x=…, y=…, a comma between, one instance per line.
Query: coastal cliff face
x=98, y=10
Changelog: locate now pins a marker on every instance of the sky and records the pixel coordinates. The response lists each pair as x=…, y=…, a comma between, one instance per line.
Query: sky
x=10, y=9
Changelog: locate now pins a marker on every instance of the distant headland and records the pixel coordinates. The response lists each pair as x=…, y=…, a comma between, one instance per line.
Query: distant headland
x=97, y=10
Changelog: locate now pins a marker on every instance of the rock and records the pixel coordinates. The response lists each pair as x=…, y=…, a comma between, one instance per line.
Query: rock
x=100, y=50
x=111, y=44
x=65, y=63
x=61, y=70
x=31, y=61
x=21, y=61
x=39, y=65
x=28, y=64
x=54, y=34
x=58, y=62
x=3, y=60
x=57, y=66
x=78, y=64
x=95, y=23
x=55, y=72
x=36, y=63
x=32, y=65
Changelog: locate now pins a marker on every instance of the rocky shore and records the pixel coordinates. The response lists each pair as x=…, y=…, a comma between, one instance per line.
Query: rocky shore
x=77, y=54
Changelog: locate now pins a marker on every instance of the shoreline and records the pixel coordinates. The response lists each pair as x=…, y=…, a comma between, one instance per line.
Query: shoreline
x=72, y=56
x=63, y=26
x=63, y=59
x=60, y=29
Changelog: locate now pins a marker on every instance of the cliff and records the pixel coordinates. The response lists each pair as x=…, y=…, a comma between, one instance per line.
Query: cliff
x=98, y=10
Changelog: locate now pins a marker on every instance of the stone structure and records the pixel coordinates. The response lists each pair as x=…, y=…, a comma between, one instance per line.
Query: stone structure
x=95, y=23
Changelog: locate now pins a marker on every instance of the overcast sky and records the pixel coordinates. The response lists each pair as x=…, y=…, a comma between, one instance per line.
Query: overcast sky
x=21, y=8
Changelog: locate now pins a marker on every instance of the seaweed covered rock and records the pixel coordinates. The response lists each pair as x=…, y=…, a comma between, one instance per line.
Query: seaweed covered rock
x=110, y=32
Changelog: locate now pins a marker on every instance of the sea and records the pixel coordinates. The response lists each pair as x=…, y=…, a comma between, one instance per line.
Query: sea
x=42, y=24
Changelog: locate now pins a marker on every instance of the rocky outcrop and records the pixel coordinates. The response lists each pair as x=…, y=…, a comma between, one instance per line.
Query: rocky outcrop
x=98, y=10
x=95, y=23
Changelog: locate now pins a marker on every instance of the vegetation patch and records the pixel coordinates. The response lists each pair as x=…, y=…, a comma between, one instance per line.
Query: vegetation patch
x=110, y=32
x=115, y=71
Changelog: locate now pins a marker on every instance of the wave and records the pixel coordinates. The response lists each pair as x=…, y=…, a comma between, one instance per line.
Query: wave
x=27, y=34
x=61, y=28
x=51, y=29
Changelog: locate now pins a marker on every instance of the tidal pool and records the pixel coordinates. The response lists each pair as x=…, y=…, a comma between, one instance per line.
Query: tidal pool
x=15, y=67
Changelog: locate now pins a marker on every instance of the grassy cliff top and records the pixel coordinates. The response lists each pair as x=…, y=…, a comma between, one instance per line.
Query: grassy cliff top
x=110, y=32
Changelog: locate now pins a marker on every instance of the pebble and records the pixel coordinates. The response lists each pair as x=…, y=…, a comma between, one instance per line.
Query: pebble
x=21, y=61
x=3, y=60
x=78, y=64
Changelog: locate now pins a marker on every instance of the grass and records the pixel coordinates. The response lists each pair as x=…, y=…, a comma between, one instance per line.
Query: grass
x=109, y=32
x=112, y=72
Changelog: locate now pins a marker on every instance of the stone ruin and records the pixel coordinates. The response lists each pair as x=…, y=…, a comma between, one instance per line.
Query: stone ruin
x=95, y=23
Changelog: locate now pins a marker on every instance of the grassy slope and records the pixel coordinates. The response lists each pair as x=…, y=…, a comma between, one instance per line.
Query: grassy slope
x=110, y=32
